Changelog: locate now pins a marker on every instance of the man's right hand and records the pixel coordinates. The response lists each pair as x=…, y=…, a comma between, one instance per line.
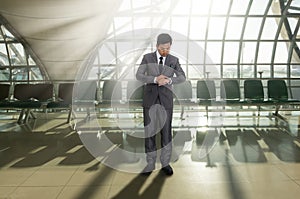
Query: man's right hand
x=160, y=77
x=162, y=80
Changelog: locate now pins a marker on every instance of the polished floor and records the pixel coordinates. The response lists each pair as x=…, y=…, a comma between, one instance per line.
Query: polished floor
x=246, y=157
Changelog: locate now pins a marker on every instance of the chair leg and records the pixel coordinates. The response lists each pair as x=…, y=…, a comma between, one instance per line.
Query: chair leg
x=277, y=110
x=88, y=114
x=181, y=113
x=32, y=114
x=27, y=116
x=21, y=116
x=69, y=115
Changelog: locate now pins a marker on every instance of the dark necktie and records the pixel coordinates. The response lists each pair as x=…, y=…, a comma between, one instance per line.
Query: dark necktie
x=160, y=65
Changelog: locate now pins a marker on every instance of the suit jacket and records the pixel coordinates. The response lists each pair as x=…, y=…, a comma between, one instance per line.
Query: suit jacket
x=149, y=69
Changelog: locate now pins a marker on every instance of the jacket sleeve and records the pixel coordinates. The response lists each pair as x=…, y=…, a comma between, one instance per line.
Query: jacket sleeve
x=180, y=75
x=142, y=72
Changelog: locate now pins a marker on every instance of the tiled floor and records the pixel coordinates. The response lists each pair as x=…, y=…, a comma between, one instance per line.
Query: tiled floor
x=47, y=159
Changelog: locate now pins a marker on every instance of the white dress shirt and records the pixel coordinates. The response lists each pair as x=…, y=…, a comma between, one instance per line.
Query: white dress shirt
x=158, y=56
x=164, y=59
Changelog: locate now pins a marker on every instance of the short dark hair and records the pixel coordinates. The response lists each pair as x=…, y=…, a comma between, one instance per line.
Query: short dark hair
x=164, y=38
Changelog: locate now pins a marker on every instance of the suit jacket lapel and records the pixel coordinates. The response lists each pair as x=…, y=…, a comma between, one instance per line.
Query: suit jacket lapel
x=155, y=62
x=154, y=57
x=167, y=61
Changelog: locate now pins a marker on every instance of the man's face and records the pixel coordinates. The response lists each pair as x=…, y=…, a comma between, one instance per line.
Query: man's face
x=164, y=49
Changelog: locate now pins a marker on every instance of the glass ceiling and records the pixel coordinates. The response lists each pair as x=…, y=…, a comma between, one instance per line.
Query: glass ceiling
x=215, y=38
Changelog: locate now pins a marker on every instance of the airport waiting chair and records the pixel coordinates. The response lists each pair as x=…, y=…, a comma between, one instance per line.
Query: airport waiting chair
x=4, y=91
x=111, y=94
x=31, y=96
x=85, y=93
x=4, y=95
x=64, y=99
x=134, y=96
x=65, y=96
x=278, y=94
x=183, y=95
x=111, y=97
x=206, y=93
x=230, y=92
x=84, y=97
x=277, y=90
x=253, y=91
x=135, y=93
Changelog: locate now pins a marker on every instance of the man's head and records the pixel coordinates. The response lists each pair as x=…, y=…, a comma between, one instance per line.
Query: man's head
x=163, y=45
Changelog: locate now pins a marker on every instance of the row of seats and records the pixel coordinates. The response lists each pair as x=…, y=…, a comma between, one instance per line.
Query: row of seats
x=25, y=98
x=230, y=94
x=37, y=94
x=86, y=93
x=230, y=91
x=206, y=92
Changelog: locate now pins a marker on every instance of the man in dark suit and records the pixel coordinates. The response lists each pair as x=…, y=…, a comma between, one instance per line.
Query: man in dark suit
x=159, y=71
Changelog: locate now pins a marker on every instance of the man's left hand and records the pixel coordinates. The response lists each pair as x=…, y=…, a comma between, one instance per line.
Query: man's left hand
x=163, y=81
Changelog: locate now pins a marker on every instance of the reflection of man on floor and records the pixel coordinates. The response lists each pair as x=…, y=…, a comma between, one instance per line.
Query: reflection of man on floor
x=159, y=71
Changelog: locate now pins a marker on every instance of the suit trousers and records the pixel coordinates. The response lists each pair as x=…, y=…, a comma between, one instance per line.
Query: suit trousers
x=157, y=119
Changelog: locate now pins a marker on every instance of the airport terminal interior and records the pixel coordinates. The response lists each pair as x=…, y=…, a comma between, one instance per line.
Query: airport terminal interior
x=71, y=115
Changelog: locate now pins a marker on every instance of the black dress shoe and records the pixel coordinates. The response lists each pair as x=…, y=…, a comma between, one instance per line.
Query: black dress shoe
x=167, y=170
x=148, y=170
x=146, y=173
